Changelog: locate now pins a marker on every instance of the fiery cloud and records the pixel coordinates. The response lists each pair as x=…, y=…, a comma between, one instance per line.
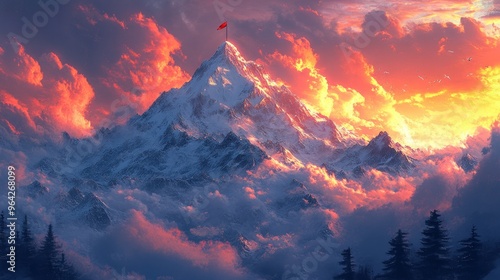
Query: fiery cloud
x=173, y=241
x=23, y=121
x=54, y=94
x=71, y=94
x=146, y=67
x=21, y=66
x=417, y=81
x=364, y=113
x=59, y=96
x=313, y=87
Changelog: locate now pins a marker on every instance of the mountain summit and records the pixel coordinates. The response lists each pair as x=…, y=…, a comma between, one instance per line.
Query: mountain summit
x=381, y=153
x=229, y=118
x=227, y=93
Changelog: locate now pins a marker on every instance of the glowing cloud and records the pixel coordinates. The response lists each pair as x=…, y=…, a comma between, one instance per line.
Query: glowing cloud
x=146, y=67
x=173, y=241
x=68, y=95
x=313, y=87
x=21, y=66
x=52, y=94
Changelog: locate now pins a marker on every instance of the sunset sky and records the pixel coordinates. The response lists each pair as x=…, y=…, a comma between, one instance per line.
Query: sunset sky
x=429, y=74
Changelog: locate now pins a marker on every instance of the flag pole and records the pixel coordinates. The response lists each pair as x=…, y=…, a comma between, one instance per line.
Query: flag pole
x=227, y=27
x=224, y=25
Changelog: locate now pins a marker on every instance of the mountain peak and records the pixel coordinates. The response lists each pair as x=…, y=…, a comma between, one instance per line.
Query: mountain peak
x=467, y=162
x=228, y=53
x=227, y=48
x=229, y=79
x=236, y=103
x=380, y=153
x=382, y=140
x=226, y=59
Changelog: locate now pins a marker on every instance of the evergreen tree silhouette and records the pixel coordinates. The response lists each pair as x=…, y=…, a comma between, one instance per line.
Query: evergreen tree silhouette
x=27, y=248
x=470, y=259
x=434, y=260
x=48, y=256
x=398, y=266
x=65, y=271
x=364, y=273
x=347, y=266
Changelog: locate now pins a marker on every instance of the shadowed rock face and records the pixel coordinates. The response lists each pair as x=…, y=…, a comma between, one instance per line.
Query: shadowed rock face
x=92, y=212
x=35, y=189
x=467, y=162
x=380, y=153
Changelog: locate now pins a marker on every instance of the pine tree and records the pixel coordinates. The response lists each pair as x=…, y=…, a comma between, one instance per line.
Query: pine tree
x=434, y=260
x=470, y=265
x=347, y=266
x=65, y=271
x=364, y=273
x=398, y=266
x=27, y=246
x=48, y=256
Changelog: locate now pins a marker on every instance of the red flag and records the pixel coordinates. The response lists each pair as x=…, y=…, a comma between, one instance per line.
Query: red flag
x=222, y=26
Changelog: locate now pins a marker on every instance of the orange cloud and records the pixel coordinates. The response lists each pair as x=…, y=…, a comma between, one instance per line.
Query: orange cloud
x=174, y=242
x=58, y=96
x=428, y=84
x=93, y=16
x=9, y=100
x=359, y=103
x=383, y=188
x=349, y=14
x=68, y=95
x=310, y=85
x=21, y=66
x=49, y=92
x=348, y=194
x=250, y=192
x=146, y=68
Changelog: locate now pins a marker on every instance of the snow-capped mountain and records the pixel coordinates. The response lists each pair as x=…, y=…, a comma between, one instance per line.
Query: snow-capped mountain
x=230, y=127
x=381, y=153
x=230, y=94
x=229, y=118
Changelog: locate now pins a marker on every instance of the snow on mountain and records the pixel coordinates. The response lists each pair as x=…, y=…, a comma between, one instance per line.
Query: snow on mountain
x=79, y=208
x=381, y=153
x=229, y=118
x=298, y=198
x=92, y=212
x=231, y=127
x=228, y=93
x=35, y=189
x=467, y=162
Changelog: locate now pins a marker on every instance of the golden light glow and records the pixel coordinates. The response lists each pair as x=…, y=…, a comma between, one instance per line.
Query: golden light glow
x=429, y=108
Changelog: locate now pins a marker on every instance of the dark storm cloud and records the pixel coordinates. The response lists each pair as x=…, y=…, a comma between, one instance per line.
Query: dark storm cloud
x=433, y=192
x=478, y=200
x=378, y=225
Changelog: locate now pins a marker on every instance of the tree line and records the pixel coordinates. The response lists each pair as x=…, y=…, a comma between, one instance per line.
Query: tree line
x=45, y=261
x=434, y=260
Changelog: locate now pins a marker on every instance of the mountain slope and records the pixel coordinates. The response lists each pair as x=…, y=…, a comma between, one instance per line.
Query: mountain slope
x=380, y=153
x=228, y=93
x=227, y=118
